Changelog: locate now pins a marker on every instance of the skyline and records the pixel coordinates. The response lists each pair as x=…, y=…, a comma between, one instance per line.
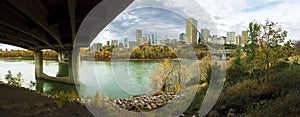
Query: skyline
x=228, y=18
x=217, y=16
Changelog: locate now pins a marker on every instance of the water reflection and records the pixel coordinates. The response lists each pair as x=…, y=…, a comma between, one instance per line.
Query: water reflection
x=101, y=77
x=50, y=87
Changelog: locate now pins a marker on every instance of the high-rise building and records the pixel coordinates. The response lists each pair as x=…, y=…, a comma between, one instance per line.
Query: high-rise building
x=121, y=45
x=132, y=44
x=125, y=42
x=230, y=38
x=199, y=37
x=138, y=36
x=204, y=35
x=191, y=31
x=244, y=37
x=238, y=40
x=181, y=36
x=96, y=46
x=114, y=42
x=144, y=41
x=107, y=43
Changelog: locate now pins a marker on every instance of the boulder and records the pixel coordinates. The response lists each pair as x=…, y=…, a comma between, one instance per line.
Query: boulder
x=213, y=114
x=230, y=115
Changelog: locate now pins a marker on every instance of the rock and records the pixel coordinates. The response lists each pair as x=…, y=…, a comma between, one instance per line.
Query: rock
x=135, y=101
x=231, y=110
x=159, y=104
x=148, y=107
x=114, y=101
x=230, y=115
x=123, y=106
x=119, y=102
x=154, y=106
x=223, y=107
x=213, y=114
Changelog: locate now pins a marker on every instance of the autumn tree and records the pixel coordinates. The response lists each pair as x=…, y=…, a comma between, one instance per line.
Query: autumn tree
x=267, y=45
x=167, y=77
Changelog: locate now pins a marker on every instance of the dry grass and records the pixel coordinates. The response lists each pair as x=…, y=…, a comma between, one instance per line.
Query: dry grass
x=244, y=96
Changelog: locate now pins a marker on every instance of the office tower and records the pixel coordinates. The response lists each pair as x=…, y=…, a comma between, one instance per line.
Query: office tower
x=152, y=39
x=114, y=42
x=132, y=44
x=144, y=41
x=138, y=36
x=181, y=36
x=230, y=38
x=191, y=31
x=238, y=40
x=204, y=35
x=96, y=46
x=199, y=37
x=244, y=37
x=107, y=43
x=125, y=42
x=121, y=45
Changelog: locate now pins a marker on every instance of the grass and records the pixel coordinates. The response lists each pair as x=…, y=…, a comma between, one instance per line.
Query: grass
x=261, y=97
x=65, y=98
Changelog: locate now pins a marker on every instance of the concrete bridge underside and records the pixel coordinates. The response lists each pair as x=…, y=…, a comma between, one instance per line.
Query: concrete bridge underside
x=53, y=24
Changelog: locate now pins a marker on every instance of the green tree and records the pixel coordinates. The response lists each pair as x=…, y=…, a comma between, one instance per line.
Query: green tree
x=267, y=45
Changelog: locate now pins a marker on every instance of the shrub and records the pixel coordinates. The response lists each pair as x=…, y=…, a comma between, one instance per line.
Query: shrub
x=65, y=98
x=14, y=80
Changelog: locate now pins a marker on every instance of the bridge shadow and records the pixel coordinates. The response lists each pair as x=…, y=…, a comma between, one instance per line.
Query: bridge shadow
x=51, y=87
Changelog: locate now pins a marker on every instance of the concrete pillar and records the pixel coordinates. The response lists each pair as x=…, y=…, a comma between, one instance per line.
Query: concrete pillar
x=68, y=67
x=62, y=65
x=74, y=61
x=38, y=60
x=60, y=57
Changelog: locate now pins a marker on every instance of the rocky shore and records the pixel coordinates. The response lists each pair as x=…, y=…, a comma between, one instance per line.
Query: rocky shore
x=144, y=102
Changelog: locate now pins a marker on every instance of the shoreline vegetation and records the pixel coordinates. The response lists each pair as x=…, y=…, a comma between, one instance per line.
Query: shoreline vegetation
x=144, y=52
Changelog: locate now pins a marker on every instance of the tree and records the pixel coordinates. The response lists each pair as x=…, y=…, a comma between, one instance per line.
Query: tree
x=167, y=77
x=297, y=47
x=266, y=45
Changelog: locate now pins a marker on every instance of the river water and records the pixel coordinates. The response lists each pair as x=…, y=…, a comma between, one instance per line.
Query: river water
x=95, y=76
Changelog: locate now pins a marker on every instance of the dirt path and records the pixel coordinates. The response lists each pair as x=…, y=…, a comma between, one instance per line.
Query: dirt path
x=20, y=102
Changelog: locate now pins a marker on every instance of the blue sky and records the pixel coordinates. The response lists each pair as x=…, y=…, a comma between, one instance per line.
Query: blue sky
x=166, y=17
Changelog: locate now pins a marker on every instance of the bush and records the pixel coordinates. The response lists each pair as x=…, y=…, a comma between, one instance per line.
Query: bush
x=279, y=66
x=65, y=98
x=248, y=94
x=14, y=80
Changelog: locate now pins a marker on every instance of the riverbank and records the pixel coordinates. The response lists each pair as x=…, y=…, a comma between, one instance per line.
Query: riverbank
x=21, y=102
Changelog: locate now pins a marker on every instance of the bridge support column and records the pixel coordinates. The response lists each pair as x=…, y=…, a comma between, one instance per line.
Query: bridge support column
x=62, y=64
x=38, y=60
x=68, y=65
x=74, y=61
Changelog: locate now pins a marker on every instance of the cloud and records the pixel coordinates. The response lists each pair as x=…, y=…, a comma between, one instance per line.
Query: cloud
x=9, y=47
x=233, y=15
x=261, y=5
x=160, y=17
x=167, y=17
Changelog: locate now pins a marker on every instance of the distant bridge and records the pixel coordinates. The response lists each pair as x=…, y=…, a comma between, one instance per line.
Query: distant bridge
x=53, y=24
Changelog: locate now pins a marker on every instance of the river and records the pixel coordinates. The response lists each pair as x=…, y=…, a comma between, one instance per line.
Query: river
x=102, y=79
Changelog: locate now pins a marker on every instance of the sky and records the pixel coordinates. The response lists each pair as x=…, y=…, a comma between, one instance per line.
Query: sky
x=219, y=16
x=166, y=18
